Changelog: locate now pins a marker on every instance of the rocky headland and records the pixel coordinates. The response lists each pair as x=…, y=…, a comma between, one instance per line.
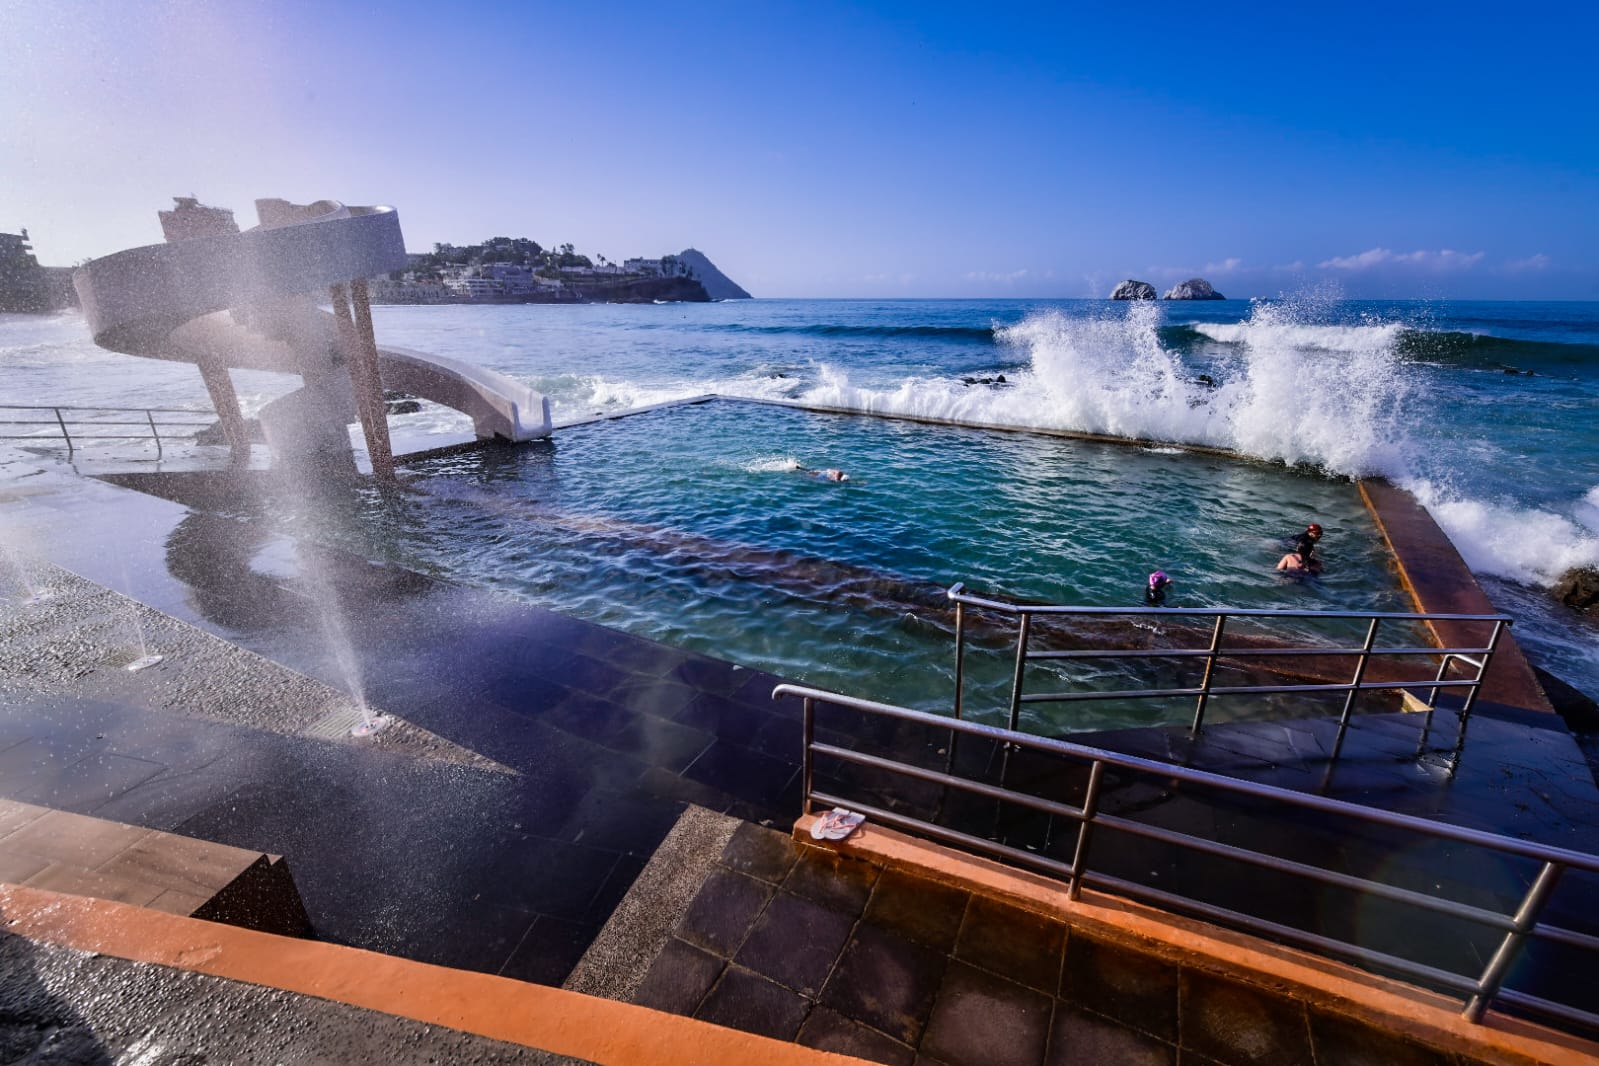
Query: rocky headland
x=1133, y=290
x=1193, y=289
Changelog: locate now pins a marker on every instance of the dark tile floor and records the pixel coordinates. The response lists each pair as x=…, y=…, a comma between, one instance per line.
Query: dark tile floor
x=800, y=944
x=606, y=737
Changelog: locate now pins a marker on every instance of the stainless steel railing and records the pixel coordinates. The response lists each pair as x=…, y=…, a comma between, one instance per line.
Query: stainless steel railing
x=78, y=425
x=1515, y=928
x=1213, y=651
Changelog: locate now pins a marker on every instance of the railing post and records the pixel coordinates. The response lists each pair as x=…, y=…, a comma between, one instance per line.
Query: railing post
x=64, y=434
x=1526, y=917
x=1210, y=670
x=1443, y=671
x=1096, y=773
x=1021, y=663
x=149, y=416
x=960, y=655
x=808, y=762
x=1432, y=703
x=1482, y=671
x=1354, y=691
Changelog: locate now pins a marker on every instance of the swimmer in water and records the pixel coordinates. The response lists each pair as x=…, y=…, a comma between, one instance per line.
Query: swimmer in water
x=1155, y=591
x=829, y=474
x=1299, y=564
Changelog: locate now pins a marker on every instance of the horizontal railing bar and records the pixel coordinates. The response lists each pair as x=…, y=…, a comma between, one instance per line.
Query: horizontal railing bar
x=76, y=437
x=1237, y=690
x=1021, y=799
x=1211, y=612
x=953, y=836
x=64, y=407
x=1441, y=830
x=1560, y=935
x=1109, y=694
x=1242, y=653
x=1287, y=933
x=1546, y=1008
x=1319, y=874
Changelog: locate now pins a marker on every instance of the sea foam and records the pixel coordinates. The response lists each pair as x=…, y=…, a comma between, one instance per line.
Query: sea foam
x=1281, y=387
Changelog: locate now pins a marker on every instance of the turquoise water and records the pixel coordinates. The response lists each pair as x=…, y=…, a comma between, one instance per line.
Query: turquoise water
x=1486, y=411
x=696, y=526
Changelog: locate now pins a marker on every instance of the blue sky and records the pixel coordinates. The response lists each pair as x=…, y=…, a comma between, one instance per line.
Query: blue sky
x=820, y=149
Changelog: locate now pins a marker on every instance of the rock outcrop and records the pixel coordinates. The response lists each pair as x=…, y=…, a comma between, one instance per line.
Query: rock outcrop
x=1133, y=290
x=1579, y=588
x=1194, y=289
x=718, y=286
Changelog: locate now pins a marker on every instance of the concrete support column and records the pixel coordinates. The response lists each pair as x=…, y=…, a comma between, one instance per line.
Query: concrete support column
x=220, y=385
x=361, y=358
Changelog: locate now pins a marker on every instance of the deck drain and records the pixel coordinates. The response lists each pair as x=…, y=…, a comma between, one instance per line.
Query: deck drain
x=347, y=722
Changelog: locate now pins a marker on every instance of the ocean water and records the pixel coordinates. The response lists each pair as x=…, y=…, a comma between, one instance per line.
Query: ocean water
x=1487, y=411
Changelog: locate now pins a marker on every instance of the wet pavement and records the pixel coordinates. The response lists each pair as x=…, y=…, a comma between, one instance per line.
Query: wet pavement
x=597, y=739
x=141, y=1013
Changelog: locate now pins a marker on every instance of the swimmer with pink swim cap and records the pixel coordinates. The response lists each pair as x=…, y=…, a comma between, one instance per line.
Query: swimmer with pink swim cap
x=1155, y=591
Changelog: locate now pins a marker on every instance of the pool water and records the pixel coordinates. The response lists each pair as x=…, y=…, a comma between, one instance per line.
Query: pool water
x=694, y=525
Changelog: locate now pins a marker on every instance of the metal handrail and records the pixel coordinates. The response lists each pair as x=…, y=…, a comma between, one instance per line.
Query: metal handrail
x=1216, y=650
x=146, y=417
x=1478, y=991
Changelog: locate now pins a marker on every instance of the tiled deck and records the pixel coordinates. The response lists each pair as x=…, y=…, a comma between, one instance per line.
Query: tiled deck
x=842, y=955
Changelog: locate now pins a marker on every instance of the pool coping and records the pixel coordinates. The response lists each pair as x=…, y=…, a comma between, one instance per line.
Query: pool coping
x=1439, y=582
x=551, y=1019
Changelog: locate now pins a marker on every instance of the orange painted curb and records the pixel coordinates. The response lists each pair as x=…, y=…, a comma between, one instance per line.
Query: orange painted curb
x=537, y=1016
x=1439, y=582
x=1384, y=1004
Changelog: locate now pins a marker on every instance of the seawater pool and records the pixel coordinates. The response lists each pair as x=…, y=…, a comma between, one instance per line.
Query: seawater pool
x=692, y=525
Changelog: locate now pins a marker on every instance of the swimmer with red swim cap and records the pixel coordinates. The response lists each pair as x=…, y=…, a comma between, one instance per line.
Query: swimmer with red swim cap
x=1304, y=559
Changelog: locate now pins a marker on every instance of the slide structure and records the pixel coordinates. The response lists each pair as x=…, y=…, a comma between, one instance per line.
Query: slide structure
x=224, y=299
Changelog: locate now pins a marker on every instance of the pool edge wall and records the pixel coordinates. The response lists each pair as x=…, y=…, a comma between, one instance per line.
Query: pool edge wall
x=1439, y=582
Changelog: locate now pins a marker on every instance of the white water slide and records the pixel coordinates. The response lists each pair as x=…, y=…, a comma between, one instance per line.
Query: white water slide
x=225, y=299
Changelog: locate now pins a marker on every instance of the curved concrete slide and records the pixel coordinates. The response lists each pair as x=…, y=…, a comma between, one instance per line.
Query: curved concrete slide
x=223, y=299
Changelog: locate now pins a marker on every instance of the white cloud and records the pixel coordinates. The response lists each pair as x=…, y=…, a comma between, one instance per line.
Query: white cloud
x=1226, y=266
x=1533, y=262
x=1006, y=279
x=1442, y=260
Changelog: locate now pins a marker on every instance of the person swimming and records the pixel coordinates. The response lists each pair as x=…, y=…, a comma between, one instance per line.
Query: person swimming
x=1305, y=543
x=829, y=474
x=1155, y=592
x=1299, y=563
x=1304, y=559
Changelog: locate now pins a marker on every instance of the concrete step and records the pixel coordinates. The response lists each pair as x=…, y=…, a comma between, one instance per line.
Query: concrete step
x=84, y=856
